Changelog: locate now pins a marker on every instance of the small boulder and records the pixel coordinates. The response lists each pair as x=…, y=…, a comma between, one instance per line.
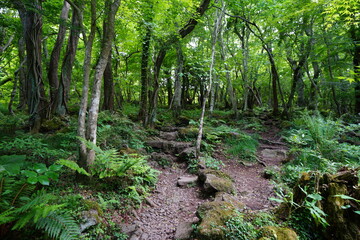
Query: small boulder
x=187, y=154
x=170, y=136
x=213, y=216
x=278, y=233
x=216, y=181
x=225, y=197
x=187, y=180
x=89, y=218
x=184, y=231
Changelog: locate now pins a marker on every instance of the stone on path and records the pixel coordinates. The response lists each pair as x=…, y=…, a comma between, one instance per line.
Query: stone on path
x=273, y=153
x=216, y=181
x=271, y=232
x=186, y=180
x=183, y=231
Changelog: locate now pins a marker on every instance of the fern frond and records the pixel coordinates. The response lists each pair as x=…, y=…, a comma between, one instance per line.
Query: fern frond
x=73, y=165
x=59, y=225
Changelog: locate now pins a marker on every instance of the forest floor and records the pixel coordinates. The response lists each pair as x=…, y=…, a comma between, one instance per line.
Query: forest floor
x=169, y=205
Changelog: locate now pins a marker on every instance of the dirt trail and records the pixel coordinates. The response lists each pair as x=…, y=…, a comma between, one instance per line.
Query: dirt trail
x=170, y=205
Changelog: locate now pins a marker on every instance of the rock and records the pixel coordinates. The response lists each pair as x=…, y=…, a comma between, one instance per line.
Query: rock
x=89, y=218
x=213, y=216
x=274, y=153
x=187, y=154
x=170, y=136
x=216, y=181
x=184, y=231
x=187, y=180
x=162, y=159
x=156, y=143
x=182, y=147
x=189, y=132
x=128, y=229
x=225, y=197
x=278, y=233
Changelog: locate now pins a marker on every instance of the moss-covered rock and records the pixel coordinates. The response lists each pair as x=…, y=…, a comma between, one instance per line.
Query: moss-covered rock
x=277, y=233
x=216, y=181
x=213, y=216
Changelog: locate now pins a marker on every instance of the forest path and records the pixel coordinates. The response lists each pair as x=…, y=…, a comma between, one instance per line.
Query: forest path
x=170, y=205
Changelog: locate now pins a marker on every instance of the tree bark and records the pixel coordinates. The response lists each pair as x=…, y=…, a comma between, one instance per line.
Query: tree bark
x=178, y=82
x=32, y=25
x=217, y=24
x=22, y=75
x=108, y=87
x=144, y=97
x=83, y=151
x=111, y=8
x=68, y=61
x=55, y=56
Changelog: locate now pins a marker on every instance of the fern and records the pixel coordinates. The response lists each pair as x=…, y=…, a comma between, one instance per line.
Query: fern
x=59, y=225
x=73, y=165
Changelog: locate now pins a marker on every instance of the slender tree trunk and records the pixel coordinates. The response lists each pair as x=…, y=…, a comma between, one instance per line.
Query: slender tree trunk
x=108, y=87
x=313, y=104
x=68, y=61
x=218, y=20
x=83, y=151
x=111, y=8
x=144, y=97
x=169, y=87
x=178, y=82
x=230, y=88
x=55, y=56
x=32, y=25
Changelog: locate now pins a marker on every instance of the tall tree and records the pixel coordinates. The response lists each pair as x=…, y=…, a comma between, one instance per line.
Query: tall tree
x=111, y=8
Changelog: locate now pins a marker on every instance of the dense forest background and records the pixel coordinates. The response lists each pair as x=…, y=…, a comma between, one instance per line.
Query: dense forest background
x=84, y=83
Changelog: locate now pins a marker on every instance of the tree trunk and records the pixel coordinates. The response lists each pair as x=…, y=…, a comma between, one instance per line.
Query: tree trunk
x=218, y=20
x=144, y=97
x=313, y=104
x=55, y=56
x=108, y=86
x=183, y=32
x=230, y=88
x=32, y=25
x=68, y=61
x=178, y=82
x=83, y=151
x=22, y=75
x=111, y=8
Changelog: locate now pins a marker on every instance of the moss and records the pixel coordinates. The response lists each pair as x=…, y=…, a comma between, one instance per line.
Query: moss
x=218, y=173
x=213, y=216
x=277, y=233
x=219, y=184
x=89, y=205
x=189, y=132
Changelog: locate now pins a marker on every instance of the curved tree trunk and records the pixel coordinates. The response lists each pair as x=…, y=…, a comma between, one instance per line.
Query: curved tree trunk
x=55, y=56
x=178, y=82
x=111, y=8
x=68, y=61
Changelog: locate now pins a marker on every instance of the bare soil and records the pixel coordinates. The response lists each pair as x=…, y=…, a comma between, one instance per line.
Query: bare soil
x=170, y=205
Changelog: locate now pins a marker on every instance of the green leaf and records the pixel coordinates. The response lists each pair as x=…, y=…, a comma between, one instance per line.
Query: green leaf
x=32, y=180
x=55, y=167
x=40, y=167
x=30, y=174
x=12, y=163
x=276, y=200
x=44, y=180
x=315, y=196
